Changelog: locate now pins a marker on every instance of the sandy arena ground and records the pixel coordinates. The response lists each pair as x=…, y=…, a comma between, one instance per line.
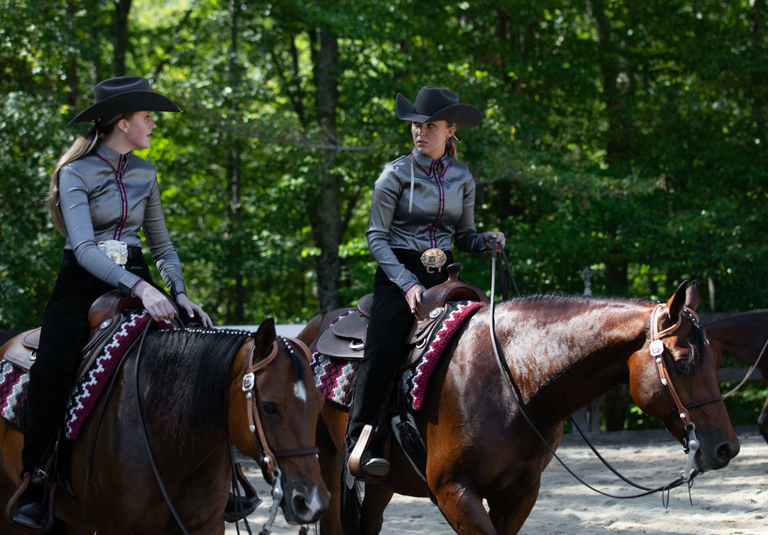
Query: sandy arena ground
x=733, y=500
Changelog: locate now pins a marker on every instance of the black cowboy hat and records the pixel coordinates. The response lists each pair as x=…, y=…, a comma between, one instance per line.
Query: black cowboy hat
x=124, y=95
x=437, y=104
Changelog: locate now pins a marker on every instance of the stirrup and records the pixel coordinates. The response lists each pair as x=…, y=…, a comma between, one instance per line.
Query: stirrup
x=249, y=500
x=49, y=502
x=372, y=471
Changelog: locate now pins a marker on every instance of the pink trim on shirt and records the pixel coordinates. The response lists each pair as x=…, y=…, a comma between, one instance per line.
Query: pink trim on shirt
x=134, y=287
x=122, y=168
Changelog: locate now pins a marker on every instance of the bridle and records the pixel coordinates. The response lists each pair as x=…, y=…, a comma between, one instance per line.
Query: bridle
x=678, y=410
x=269, y=457
x=691, y=445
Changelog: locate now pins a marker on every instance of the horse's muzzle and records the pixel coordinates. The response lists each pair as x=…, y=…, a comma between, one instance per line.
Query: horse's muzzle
x=302, y=505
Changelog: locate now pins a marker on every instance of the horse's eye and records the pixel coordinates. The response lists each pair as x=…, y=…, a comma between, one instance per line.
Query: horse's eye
x=270, y=409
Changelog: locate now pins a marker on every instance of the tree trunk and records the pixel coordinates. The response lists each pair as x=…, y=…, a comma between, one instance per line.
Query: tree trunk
x=616, y=145
x=122, y=9
x=234, y=170
x=326, y=221
x=70, y=68
x=760, y=77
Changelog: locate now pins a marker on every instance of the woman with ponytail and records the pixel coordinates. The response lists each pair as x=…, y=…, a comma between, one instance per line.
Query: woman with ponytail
x=100, y=196
x=420, y=202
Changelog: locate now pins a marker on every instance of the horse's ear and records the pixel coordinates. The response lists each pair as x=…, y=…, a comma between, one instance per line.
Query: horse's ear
x=680, y=299
x=692, y=295
x=265, y=336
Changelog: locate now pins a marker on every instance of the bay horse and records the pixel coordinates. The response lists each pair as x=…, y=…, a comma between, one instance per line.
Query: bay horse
x=742, y=337
x=193, y=400
x=563, y=352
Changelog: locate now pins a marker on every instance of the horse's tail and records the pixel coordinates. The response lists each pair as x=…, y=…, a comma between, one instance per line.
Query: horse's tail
x=351, y=507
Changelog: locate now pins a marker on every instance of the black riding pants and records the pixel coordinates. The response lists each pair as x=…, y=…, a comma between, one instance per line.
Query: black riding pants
x=65, y=331
x=391, y=321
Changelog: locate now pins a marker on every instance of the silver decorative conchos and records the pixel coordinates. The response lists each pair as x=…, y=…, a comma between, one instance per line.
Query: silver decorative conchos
x=433, y=258
x=116, y=250
x=657, y=348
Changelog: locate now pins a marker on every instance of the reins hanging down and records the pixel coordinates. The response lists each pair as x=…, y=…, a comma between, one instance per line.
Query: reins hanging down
x=509, y=382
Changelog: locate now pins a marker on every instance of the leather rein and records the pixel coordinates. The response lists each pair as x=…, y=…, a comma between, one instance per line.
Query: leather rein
x=691, y=445
x=269, y=460
x=269, y=457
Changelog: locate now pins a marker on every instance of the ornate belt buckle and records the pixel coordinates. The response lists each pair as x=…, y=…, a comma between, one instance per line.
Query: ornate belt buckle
x=433, y=258
x=116, y=250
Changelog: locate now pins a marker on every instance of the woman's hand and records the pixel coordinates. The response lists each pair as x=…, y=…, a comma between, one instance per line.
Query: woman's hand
x=183, y=301
x=413, y=296
x=155, y=302
x=501, y=241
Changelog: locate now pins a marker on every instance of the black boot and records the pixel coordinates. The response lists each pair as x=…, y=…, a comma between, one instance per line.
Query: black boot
x=30, y=511
x=234, y=512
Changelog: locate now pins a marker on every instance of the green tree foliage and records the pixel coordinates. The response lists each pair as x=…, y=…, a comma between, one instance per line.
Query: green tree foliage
x=627, y=136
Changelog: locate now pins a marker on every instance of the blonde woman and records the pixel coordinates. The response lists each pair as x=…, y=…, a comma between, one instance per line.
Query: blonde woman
x=100, y=196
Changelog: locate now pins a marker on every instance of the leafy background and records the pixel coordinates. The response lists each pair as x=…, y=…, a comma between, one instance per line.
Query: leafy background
x=628, y=136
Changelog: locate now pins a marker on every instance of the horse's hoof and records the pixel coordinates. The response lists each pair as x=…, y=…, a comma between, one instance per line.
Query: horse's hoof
x=248, y=505
x=30, y=515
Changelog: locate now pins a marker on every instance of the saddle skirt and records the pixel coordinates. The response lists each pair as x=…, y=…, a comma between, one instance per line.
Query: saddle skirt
x=335, y=377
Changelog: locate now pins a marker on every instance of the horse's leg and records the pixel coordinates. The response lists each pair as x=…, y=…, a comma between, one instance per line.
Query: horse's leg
x=463, y=508
x=331, y=461
x=376, y=500
x=509, y=515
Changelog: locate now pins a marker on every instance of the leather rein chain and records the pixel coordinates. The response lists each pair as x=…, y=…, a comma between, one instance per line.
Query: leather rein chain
x=510, y=383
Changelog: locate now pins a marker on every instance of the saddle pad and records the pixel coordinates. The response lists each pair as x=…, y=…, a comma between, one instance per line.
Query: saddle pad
x=335, y=378
x=85, y=394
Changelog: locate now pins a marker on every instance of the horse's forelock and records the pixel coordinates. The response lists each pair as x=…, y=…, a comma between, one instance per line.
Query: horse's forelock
x=695, y=339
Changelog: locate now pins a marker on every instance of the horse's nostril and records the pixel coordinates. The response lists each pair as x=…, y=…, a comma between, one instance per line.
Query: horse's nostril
x=300, y=505
x=725, y=452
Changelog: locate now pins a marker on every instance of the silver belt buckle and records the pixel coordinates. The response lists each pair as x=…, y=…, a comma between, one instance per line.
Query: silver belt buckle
x=116, y=250
x=433, y=260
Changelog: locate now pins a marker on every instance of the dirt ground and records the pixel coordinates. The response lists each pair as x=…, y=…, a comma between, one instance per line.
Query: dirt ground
x=733, y=500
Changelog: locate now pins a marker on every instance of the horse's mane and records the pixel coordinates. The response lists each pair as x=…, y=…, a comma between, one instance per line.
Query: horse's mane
x=695, y=338
x=185, y=378
x=573, y=298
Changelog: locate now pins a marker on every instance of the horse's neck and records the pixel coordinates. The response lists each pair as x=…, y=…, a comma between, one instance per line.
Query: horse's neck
x=574, y=351
x=741, y=336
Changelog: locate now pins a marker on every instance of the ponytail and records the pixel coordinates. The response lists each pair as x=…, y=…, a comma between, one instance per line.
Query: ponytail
x=82, y=146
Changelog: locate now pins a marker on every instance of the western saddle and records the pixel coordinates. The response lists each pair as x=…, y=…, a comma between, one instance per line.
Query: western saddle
x=105, y=317
x=346, y=339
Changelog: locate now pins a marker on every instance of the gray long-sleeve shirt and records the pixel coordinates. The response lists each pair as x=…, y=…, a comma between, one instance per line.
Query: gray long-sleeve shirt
x=106, y=195
x=442, y=205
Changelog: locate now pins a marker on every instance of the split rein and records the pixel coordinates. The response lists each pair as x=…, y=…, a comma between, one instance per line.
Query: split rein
x=269, y=460
x=691, y=443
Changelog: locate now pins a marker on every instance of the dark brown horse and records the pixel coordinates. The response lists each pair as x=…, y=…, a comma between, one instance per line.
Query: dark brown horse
x=563, y=353
x=193, y=400
x=742, y=337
